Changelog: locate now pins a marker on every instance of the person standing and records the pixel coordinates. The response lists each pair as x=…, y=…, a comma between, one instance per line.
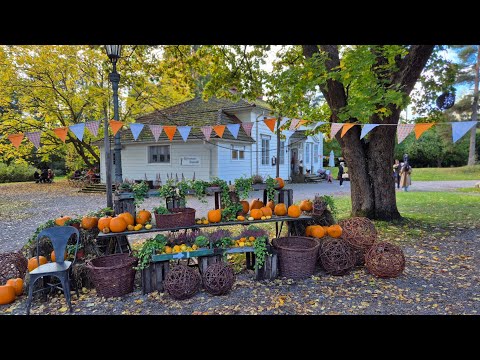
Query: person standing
x=340, y=172
x=405, y=179
x=396, y=172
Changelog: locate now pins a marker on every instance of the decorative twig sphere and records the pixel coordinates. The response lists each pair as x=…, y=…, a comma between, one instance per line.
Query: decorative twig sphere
x=182, y=282
x=12, y=265
x=218, y=278
x=385, y=260
x=361, y=234
x=337, y=256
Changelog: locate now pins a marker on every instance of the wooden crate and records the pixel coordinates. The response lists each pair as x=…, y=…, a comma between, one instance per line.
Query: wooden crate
x=153, y=276
x=269, y=270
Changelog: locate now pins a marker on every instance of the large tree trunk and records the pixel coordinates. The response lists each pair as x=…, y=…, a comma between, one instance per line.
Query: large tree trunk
x=473, y=133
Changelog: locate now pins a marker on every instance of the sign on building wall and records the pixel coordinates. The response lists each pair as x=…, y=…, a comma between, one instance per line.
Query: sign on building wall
x=190, y=161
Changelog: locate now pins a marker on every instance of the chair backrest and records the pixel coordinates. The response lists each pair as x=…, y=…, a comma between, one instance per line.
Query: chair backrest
x=59, y=236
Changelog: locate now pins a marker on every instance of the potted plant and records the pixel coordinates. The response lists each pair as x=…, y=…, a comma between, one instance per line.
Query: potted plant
x=140, y=191
x=75, y=222
x=166, y=218
x=257, y=182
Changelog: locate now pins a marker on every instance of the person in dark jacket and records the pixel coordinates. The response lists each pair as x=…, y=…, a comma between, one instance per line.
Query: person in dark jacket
x=396, y=172
x=340, y=172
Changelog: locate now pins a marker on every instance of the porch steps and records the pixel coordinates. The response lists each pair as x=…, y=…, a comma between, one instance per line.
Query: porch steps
x=95, y=188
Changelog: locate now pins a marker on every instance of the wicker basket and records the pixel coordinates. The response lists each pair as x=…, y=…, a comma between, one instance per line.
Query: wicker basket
x=112, y=275
x=180, y=217
x=297, y=256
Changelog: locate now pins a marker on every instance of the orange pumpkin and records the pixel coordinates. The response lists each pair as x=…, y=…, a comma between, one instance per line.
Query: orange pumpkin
x=118, y=224
x=280, y=183
x=245, y=207
x=334, y=231
x=61, y=220
x=306, y=205
x=280, y=209
x=271, y=205
x=308, y=230
x=33, y=264
x=256, y=204
x=325, y=228
x=104, y=222
x=266, y=211
x=7, y=294
x=128, y=218
x=17, y=285
x=89, y=222
x=214, y=216
x=143, y=217
x=256, y=214
x=318, y=232
x=53, y=258
x=240, y=218
x=294, y=211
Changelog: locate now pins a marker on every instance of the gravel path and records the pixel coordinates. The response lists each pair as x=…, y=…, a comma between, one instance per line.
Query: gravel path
x=24, y=206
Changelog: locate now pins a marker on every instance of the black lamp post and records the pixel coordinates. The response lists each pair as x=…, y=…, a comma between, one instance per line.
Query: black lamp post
x=114, y=53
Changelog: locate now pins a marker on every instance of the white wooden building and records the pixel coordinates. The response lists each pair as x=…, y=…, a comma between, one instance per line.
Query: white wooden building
x=227, y=158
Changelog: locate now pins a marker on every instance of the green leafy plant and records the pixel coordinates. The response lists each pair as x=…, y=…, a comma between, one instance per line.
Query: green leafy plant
x=140, y=191
x=125, y=186
x=33, y=238
x=73, y=221
x=271, y=183
x=260, y=251
x=230, y=212
x=330, y=204
x=225, y=242
x=107, y=211
x=150, y=247
x=201, y=241
x=199, y=187
x=243, y=187
x=168, y=190
x=161, y=210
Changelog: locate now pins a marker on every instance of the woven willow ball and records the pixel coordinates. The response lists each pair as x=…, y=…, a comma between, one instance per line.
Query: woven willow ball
x=182, y=282
x=385, y=260
x=336, y=255
x=12, y=265
x=359, y=232
x=218, y=278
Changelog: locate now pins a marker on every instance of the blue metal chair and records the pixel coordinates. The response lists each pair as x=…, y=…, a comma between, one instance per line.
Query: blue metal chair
x=60, y=269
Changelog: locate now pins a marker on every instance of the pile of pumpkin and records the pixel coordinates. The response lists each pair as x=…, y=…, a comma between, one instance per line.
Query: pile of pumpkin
x=319, y=231
x=119, y=223
x=260, y=211
x=10, y=291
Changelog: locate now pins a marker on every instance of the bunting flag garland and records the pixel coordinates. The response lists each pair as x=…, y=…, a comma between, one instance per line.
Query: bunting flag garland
x=115, y=125
x=287, y=134
x=461, y=128
x=136, y=129
x=403, y=130
x=334, y=129
x=247, y=127
x=219, y=130
x=34, y=137
x=170, y=131
x=270, y=123
x=366, y=129
x=284, y=120
x=16, y=139
x=320, y=123
x=61, y=133
x=421, y=128
x=294, y=123
x=207, y=131
x=345, y=128
x=93, y=127
x=156, y=130
x=78, y=130
x=234, y=129
x=184, y=132
x=300, y=123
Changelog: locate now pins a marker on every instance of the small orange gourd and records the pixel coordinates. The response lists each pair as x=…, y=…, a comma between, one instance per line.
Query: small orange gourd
x=214, y=216
x=17, y=285
x=294, y=211
x=306, y=205
x=7, y=294
x=280, y=209
x=143, y=217
x=61, y=220
x=334, y=231
x=256, y=214
x=89, y=222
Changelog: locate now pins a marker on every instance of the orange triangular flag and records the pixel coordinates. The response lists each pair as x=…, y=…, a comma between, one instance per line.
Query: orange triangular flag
x=345, y=128
x=16, y=139
x=219, y=129
x=300, y=123
x=115, y=125
x=61, y=133
x=270, y=123
x=170, y=131
x=421, y=128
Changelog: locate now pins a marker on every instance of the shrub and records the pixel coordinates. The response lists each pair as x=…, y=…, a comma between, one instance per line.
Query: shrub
x=16, y=172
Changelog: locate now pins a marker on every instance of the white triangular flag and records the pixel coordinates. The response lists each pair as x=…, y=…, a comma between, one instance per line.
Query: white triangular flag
x=294, y=123
x=156, y=130
x=334, y=129
x=461, y=128
x=403, y=130
x=366, y=129
x=93, y=126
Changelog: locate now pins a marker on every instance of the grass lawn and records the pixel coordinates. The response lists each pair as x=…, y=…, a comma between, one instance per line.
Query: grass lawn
x=459, y=173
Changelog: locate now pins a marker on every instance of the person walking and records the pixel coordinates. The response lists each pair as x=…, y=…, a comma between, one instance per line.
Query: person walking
x=340, y=172
x=405, y=178
x=396, y=172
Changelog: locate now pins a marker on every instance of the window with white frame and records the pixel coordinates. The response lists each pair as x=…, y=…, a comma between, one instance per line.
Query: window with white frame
x=307, y=153
x=315, y=153
x=159, y=154
x=238, y=153
x=265, y=150
x=282, y=153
